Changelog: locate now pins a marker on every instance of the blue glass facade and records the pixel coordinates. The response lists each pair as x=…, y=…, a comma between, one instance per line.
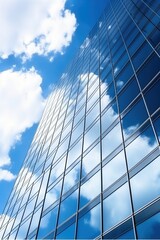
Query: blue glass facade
x=93, y=168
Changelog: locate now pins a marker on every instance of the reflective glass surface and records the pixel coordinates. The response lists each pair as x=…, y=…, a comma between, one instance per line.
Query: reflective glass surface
x=93, y=167
x=150, y=229
x=89, y=224
x=115, y=211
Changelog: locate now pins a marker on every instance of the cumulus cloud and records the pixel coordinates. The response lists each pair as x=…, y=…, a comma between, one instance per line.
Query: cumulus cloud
x=21, y=106
x=35, y=27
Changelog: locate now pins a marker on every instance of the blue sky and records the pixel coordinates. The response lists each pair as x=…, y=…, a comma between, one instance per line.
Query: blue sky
x=38, y=41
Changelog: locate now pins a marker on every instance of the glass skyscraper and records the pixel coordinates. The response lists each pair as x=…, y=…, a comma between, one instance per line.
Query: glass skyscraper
x=93, y=167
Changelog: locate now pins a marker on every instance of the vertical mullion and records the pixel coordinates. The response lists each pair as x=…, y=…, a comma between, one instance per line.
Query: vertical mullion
x=127, y=168
x=58, y=214
x=100, y=122
x=84, y=127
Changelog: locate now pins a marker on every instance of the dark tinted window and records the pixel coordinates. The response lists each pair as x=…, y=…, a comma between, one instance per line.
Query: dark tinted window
x=149, y=70
x=129, y=93
x=134, y=119
x=150, y=229
x=152, y=97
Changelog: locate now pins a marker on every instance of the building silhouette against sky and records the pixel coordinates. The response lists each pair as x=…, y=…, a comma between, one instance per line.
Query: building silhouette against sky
x=93, y=168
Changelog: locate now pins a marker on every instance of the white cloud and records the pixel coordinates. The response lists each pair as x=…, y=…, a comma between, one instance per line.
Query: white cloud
x=6, y=175
x=35, y=26
x=21, y=106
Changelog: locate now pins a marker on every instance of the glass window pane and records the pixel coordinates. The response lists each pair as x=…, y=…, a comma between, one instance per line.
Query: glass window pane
x=136, y=43
x=91, y=102
x=129, y=93
x=57, y=170
x=91, y=160
x=29, y=207
x=141, y=55
x=124, y=76
x=74, y=153
x=92, y=115
x=108, y=116
x=9, y=227
x=134, y=119
x=48, y=223
x=110, y=142
x=88, y=192
x=114, y=170
x=89, y=224
x=119, y=55
x=150, y=229
x=157, y=126
x=152, y=97
x=36, y=217
x=148, y=189
x=142, y=145
x=53, y=194
x=111, y=91
x=23, y=230
x=91, y=135
x=154, y=37
x=68, y=233
x=77, y=132
x=149, y=70
x=127, y=235
x=106, y=75
x=71, y=178
x=68, y=207
x=62, y=149
x=116, y=207
x=18, y=218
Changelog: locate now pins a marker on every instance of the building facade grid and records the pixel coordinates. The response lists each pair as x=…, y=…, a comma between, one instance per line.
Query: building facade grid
x=92, y=170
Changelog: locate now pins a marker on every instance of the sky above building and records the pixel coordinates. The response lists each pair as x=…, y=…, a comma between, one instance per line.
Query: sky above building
x=39, y=38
